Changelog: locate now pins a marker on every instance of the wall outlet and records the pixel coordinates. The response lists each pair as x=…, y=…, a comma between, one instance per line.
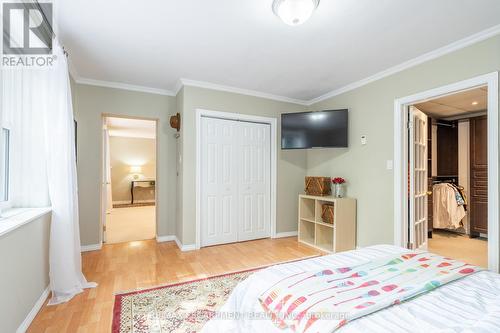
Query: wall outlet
x=363, y=139
x=389, y=165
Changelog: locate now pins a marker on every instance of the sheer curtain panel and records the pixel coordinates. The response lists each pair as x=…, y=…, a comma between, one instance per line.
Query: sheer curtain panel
x=37, y=103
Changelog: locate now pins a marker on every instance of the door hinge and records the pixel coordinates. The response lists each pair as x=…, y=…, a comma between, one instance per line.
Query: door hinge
x=409, y=124
x=104, y=228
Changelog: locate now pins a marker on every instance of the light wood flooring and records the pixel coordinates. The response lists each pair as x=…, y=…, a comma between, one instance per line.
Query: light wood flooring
x=461, y=247
x=143, y=264
x=130, y=224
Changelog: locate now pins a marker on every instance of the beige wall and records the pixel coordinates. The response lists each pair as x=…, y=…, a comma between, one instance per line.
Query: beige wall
x=291, y=164
x=91, y=103
x=24, y=257
x=371, y=113
x=124, y=153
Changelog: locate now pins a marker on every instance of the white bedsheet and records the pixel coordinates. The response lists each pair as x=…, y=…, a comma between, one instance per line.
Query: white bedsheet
x=471, y=304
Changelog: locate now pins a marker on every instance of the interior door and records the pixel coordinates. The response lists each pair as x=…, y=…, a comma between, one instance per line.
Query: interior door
x=105, y=185
x=254, y=181
x=219, y=188
x=418, y=179
x=107, y=171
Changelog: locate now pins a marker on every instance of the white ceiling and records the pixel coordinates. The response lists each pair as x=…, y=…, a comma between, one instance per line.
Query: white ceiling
x=459, y=104
x=131, y=128
x=242, y=44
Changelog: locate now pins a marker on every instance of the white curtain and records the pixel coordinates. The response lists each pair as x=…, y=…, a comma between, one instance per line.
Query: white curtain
x=39, y=109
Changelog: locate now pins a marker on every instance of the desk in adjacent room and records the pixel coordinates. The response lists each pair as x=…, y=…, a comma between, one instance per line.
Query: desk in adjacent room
x=140, y=183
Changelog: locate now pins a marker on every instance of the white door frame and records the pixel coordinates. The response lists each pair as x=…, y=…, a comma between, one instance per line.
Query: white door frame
x=157, y=164
x=274, y=144
x=401, y=158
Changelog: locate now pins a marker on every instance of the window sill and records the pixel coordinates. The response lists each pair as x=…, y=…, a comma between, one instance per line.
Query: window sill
x=16, y=217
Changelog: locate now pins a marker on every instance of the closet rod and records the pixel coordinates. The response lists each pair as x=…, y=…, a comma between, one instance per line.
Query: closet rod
x=446, y=125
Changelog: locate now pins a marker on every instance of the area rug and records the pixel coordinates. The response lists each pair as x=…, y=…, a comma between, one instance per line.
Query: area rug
x=137, y=204
x=181, y=307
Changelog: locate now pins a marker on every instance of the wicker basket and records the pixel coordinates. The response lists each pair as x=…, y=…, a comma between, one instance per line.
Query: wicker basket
x=327, y=213
x=318, y=186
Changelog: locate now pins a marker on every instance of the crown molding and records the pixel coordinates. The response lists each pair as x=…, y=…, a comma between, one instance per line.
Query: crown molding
x=123, y=86
x=182, y=82
x=455, y=46
x=220, y=87
x=178, y=86
x=72, y=70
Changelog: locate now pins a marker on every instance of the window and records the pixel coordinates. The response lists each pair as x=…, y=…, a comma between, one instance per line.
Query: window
x=4, y=167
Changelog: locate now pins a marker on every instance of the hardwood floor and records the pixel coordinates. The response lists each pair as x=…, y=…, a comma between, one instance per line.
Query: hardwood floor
x=130, y=224
x=461, y=247
x=142, y=264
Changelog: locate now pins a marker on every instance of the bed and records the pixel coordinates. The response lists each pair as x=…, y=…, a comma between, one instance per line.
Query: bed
x=470, y=304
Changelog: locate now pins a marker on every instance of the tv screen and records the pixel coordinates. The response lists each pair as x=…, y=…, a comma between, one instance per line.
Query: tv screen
x=321, y=129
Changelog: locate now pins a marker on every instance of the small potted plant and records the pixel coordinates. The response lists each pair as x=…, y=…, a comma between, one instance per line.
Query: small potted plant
x=338, y=184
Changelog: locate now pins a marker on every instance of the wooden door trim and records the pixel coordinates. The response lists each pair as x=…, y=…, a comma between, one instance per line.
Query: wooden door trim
x=473, y=197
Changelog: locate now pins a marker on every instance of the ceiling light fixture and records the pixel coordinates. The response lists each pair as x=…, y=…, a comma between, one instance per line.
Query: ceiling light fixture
x=475, y=103
x=294, y=12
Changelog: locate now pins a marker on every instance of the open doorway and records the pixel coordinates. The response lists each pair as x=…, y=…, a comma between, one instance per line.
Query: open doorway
x=129, y=179
x=450, y=161
x=411, y=185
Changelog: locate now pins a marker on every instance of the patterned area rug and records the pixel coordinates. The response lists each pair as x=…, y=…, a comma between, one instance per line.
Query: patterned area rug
x=138, y=204
x=182, y=307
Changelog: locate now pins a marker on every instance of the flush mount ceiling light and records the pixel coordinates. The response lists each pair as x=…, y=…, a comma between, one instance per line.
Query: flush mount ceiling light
x=294, y=12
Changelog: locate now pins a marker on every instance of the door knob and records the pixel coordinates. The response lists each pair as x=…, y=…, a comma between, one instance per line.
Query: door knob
x=429, y=192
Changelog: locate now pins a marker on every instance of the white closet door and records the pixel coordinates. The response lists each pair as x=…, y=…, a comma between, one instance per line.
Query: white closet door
x=254, y=181
x=418, y=179
x=219, y=190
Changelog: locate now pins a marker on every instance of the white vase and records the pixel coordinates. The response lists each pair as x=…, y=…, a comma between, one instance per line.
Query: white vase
x=339, y=190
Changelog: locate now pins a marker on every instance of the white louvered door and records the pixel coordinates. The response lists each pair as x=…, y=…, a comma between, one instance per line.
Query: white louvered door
x=418, y=179
x=235, y=181
x=254, y=181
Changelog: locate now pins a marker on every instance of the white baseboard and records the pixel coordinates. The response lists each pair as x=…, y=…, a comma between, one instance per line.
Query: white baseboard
x=169, y=238
x=91, y=247
x=189, y=247
x=286, y=234
x=38, y=305
x=184, y=248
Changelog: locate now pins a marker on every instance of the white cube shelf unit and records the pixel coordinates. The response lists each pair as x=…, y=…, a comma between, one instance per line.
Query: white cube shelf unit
x=336, y=237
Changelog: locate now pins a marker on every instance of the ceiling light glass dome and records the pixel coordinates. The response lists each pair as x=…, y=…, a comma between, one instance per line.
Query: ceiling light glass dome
x=294, y=12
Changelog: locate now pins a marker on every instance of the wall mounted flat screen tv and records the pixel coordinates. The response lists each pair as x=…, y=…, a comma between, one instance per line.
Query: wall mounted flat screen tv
x=320, y=129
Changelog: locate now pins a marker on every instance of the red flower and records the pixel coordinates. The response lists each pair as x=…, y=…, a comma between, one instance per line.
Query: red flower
x=338, y=180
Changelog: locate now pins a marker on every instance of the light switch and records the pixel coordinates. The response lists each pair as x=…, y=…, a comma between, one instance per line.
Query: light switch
x=389, y=164
x=363, y=139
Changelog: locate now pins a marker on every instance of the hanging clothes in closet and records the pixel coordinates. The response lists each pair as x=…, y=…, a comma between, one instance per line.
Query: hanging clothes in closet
x=449, y=206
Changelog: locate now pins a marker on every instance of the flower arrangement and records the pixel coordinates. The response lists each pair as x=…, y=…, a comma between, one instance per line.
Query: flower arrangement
x=338, y=180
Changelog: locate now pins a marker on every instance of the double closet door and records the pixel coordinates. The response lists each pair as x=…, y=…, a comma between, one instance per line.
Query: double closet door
x=235, y=181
